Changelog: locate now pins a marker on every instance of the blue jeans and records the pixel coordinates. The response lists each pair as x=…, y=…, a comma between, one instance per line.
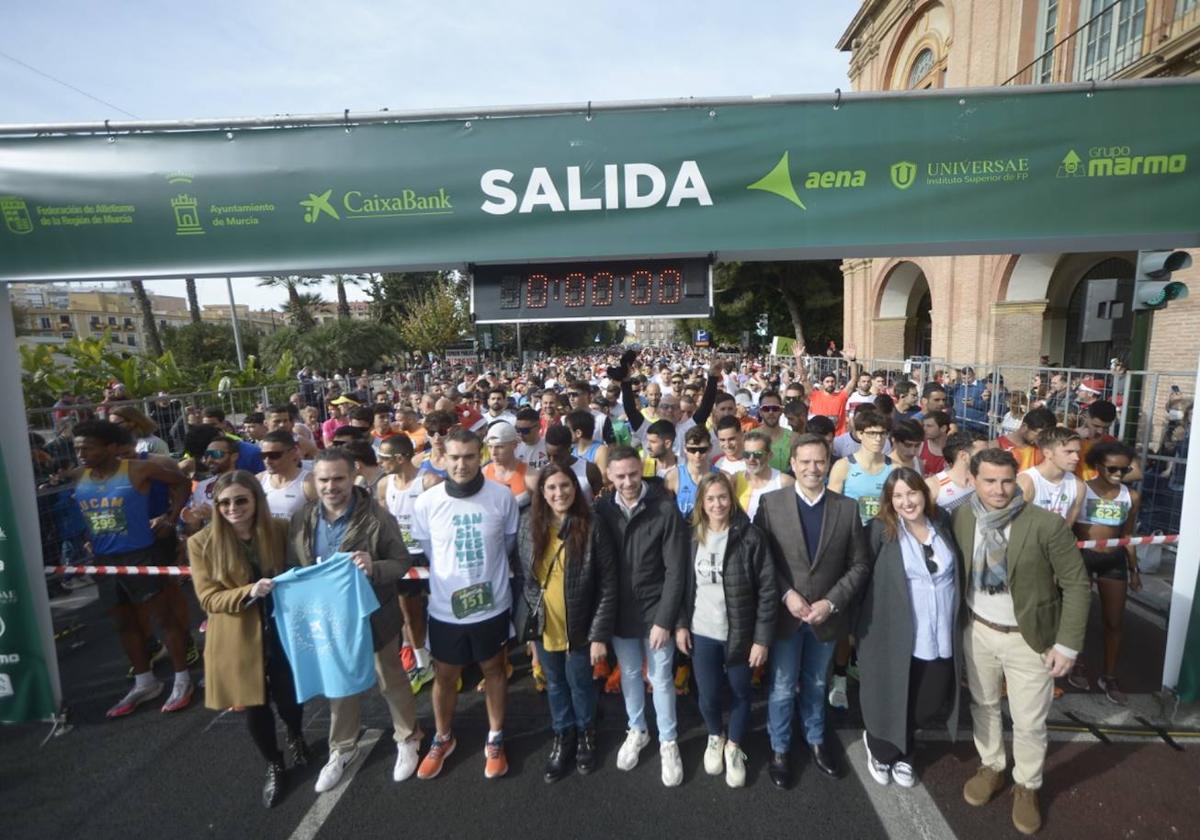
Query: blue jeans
x=712, y=674
x=804, y=657
x=630, y=654
x=569, y=688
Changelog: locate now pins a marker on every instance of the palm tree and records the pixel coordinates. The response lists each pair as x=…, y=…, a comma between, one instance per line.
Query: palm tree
x=193, y=301
x=299, y=311
x=343, y=304
x=149, y=326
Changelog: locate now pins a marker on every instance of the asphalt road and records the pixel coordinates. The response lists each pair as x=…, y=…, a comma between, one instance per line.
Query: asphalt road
x=196, y=774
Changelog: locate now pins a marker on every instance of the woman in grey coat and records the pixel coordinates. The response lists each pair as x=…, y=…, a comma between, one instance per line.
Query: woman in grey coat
x=906, y=627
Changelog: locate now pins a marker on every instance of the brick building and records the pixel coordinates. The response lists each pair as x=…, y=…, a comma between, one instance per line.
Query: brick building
x=1014, y=308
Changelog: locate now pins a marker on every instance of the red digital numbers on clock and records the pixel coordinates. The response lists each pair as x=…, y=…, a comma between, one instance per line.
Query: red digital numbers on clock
x=537, y=291
x=576, y=289
x=641, y=285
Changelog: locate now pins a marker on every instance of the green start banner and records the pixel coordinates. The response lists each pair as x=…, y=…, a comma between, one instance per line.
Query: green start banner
x=25, y=692
x=984, y=170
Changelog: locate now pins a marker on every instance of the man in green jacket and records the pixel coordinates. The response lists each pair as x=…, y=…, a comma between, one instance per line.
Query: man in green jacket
x=1028, y=597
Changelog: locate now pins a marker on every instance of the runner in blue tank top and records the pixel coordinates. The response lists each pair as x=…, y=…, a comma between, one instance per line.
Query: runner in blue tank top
x=113, y=496
x=860, y=476
x=682, y=480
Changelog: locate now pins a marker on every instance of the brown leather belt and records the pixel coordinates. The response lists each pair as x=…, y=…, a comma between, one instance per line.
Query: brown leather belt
x=999, y=628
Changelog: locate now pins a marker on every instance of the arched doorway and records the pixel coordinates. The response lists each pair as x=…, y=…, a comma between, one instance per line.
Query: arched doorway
x=918, y=329
x=903, y=323
x=1100, y=315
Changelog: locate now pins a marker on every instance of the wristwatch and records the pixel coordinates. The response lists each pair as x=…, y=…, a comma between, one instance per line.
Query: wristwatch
x=833, y=609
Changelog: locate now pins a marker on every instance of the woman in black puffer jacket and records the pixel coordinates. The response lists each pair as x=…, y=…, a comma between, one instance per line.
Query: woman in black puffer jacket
x=727, y=620
x=570, y=582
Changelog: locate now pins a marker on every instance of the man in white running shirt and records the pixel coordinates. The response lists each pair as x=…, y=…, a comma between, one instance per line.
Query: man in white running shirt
x=953, y=486
x=287, y=484
x=1052, y=485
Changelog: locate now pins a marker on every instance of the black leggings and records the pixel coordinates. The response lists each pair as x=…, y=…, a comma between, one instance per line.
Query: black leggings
x=280, y=689
x=929, y=686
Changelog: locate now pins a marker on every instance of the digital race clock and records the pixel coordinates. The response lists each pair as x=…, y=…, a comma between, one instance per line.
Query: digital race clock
x=591, y=291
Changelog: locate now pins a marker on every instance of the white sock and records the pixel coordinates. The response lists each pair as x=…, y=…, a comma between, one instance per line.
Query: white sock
x=422, y=654
x=495, y=735
x=145, y=680
x=182, y=678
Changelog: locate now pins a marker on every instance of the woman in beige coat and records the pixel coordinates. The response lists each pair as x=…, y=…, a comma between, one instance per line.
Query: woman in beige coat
x=233, y=560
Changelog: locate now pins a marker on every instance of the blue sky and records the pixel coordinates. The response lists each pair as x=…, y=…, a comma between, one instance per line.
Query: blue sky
x=160, y=60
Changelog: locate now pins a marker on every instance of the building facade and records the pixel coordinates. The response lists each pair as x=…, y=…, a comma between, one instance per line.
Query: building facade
x=1014, y=308
x=60, y=312
x=654, y=330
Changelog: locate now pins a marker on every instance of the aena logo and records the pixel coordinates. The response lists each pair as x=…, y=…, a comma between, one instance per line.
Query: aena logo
x=629, y=186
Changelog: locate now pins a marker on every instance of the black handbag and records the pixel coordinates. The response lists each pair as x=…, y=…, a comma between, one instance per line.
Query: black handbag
x=529, y=618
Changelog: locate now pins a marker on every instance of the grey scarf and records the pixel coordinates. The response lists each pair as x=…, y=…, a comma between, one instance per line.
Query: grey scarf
x=989, y=563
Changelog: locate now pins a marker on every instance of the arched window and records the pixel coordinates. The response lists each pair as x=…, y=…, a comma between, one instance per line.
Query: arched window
x=921, y=67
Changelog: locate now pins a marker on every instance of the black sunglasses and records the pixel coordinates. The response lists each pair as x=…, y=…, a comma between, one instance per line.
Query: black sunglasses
x=697, y=450
x=272, y=456
x=236, y=501
x=770, y=408
x=930, y=563
x=1118, y=470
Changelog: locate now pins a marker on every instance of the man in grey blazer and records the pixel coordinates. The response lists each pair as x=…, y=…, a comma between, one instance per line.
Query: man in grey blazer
x=821, y=561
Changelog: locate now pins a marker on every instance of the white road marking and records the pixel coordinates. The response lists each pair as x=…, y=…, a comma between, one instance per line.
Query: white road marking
x=905, y=814
x=326, y=802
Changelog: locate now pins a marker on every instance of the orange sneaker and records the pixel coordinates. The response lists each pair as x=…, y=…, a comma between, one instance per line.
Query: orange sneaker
x=496, y=763
x=613, y=684
x=439, y=751
x=600, y=670
x=756, y=676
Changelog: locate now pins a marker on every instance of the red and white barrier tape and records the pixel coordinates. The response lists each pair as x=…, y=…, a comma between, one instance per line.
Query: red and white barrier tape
x=1160, y=539
x=163, y=571
x=415, y=573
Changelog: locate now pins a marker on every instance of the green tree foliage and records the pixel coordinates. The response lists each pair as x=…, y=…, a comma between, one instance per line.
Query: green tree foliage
x=391, y=293
x=801, y=299
x=84, y=366
x=199, y=346
x=333, y=346
x=436, y=317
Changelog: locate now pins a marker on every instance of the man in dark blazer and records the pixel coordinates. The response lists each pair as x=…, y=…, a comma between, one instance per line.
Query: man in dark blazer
x=1028, y=596
x=821, y=562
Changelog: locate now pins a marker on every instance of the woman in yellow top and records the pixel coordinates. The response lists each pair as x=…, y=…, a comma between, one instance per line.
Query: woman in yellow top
x=570, y=583
x=233, y=560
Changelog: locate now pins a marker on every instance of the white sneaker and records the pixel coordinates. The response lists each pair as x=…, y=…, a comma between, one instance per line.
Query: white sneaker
x=837, y=693
x=635, y=742
x=406, y=760
x=735, y=766
x=878, y=770
x=672, y=765
x=714, y=755
x=332, y=772
x=903, y=774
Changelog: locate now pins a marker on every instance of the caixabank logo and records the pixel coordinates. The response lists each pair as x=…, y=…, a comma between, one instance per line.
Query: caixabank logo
x=361, y=204
x=779, y=181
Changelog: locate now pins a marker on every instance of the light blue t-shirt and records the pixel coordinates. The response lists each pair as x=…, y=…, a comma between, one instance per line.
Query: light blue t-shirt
x=322, y=614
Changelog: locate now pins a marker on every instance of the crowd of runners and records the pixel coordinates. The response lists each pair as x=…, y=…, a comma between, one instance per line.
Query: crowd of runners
x=659, y=522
